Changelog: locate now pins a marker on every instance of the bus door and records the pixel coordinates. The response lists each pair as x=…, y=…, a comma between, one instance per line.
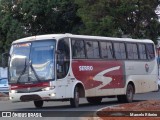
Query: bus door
x=63, y=63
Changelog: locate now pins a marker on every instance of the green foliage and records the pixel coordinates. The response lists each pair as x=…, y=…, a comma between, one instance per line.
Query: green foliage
x=133, y=18
x=52, y=16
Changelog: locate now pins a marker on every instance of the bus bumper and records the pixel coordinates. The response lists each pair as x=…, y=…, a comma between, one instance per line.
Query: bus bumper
x=33, y=96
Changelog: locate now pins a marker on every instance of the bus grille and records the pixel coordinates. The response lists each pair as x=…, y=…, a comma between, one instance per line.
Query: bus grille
x=30, y=98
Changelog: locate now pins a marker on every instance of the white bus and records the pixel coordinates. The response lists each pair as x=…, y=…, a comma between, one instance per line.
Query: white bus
x=68, y=67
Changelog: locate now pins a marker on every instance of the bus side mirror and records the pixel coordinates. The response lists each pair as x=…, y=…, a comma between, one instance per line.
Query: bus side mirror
x=5, y=59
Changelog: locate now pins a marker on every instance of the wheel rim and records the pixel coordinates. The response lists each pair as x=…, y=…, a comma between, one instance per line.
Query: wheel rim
x=77, y=97
x=130, y=93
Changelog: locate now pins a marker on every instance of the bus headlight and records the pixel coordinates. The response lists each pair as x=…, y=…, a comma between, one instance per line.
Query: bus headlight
x=48, y=88
x=13, y=91
x=52, y=94
x=10, y=98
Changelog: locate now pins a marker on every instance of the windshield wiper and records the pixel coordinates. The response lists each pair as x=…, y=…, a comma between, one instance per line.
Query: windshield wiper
x=30, y=64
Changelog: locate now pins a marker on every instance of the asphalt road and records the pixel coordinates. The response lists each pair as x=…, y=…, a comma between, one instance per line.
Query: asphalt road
x=63, y=111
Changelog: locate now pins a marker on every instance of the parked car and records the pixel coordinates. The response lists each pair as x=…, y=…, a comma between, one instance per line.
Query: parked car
x=4, y=87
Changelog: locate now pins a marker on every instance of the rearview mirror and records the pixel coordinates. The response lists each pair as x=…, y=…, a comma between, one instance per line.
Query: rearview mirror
x=19, y=63
x=5, y=59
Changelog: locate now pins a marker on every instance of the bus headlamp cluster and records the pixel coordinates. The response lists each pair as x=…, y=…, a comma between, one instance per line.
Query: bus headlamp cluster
x=13, y=91
x=48, y=88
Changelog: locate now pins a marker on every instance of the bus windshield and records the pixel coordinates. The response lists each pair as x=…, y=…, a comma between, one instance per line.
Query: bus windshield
x=32, y=62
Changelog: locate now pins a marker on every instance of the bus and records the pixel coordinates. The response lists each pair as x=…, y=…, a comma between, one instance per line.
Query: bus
x=67, y=67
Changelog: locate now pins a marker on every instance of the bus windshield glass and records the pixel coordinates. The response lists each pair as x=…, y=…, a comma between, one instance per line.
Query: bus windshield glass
x=32, y=62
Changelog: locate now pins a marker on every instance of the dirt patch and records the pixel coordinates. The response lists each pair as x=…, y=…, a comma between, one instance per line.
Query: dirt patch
x=146, y=110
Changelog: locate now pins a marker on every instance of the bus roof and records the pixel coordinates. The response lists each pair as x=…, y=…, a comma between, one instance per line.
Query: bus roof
x=59, y=36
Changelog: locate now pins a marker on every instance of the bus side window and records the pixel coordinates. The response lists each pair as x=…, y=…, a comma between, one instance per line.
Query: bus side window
x=142, y=52
x=106, y=50
x=78, y=50
x=63, y=58
x=92, y=49
x=150, y=51
x=119, y=49
x=132, y=51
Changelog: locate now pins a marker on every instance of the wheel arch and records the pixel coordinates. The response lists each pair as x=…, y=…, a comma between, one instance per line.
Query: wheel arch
x=132, y=83
x=81, y=89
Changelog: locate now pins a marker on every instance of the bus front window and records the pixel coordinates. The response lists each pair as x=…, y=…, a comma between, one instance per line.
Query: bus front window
x=32, y=62
x=42, y=60
x=18, y=69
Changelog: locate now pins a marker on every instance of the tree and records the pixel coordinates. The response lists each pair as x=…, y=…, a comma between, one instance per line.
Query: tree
x=22, y=18
x=134, y=18
x=49, y=16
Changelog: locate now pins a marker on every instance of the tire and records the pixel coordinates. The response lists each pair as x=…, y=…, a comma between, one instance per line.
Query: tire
x=75, y=100
x=38, y=104
x=94, y=100
x=128, y=98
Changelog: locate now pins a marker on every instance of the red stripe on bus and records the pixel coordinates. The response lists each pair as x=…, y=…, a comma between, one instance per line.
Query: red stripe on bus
x=21, y=86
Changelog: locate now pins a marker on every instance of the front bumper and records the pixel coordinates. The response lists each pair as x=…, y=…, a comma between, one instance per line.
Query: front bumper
x=32, y=96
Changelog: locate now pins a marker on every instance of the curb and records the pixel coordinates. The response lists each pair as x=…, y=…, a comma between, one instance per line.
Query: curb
x=96, y=117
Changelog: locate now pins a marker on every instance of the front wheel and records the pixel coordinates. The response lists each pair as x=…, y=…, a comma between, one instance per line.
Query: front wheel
x=75, y=100
x=38, y=104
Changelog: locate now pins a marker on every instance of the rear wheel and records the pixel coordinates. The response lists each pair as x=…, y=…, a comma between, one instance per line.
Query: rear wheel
x=75, y=100
x=94, y=100
x=38, y=104
x=129, y=95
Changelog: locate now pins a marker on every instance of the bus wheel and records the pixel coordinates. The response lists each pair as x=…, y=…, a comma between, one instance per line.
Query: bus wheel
x=75, y=101
x=129, y=95
x=94, y=100
x=38, y=104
